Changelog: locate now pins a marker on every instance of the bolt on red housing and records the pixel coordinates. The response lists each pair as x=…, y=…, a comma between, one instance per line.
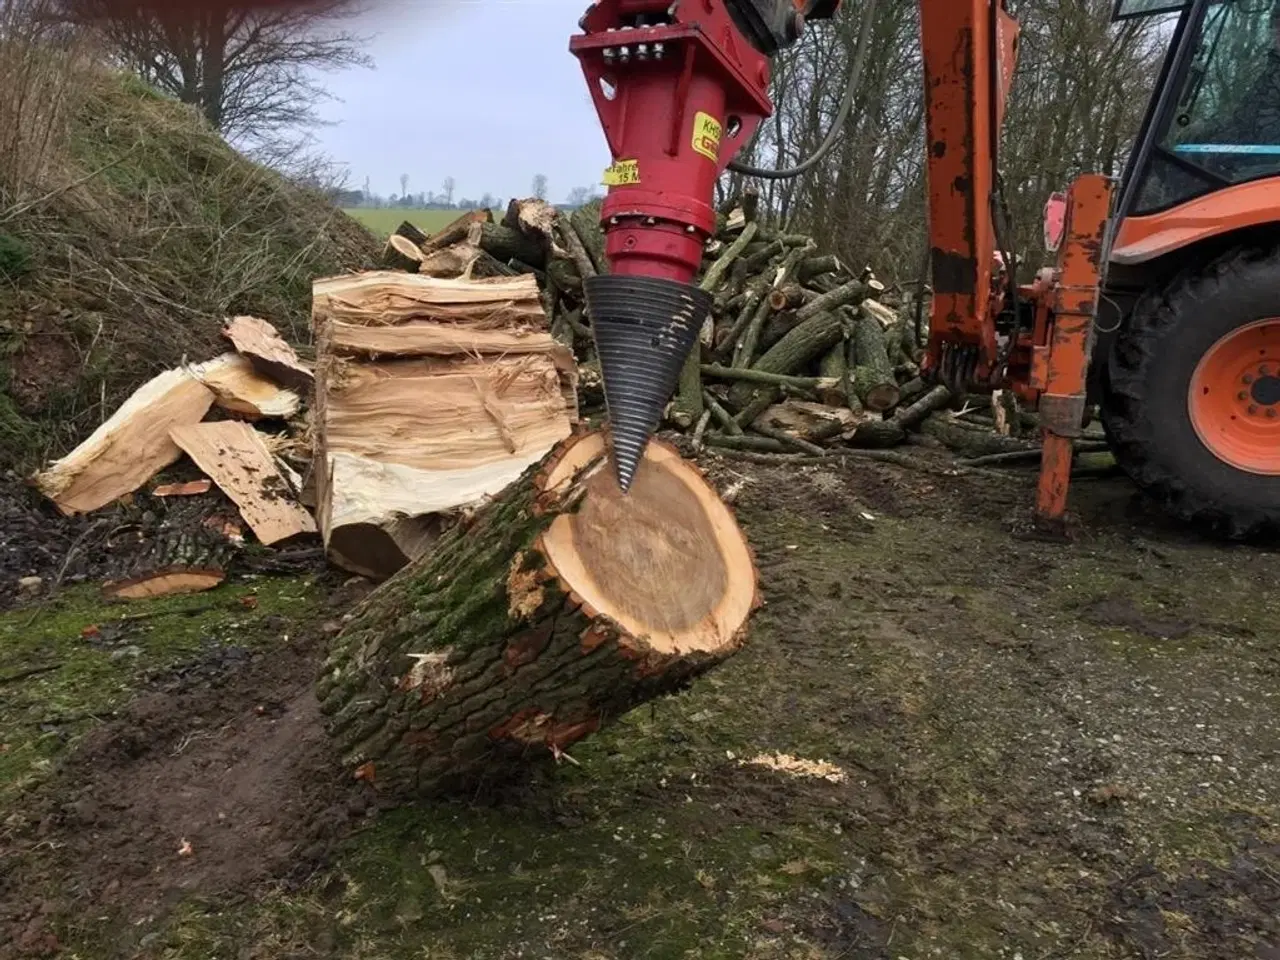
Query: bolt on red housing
x=679, y=90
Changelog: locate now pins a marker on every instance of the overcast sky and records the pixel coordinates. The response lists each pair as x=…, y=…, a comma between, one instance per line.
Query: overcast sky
x=486, y=92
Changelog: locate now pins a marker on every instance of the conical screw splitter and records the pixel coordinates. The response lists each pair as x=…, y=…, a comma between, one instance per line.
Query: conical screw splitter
x=644, y=328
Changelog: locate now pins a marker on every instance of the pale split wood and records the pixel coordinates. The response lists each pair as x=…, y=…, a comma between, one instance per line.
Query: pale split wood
x=234, y=456
x=166, y=584
x=129, y=448
x=193, y=488
x=447, y=414
x=885, y=315
x=242, y=390
x=417, y=338
x=388, y=296
x=268, y=351
x=375, y=502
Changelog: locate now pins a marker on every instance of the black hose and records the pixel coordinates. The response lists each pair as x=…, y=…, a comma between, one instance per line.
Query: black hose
x=842, y=114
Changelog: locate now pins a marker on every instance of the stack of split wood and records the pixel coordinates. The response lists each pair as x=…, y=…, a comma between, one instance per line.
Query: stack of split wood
x=209, y=412
x=432, y=394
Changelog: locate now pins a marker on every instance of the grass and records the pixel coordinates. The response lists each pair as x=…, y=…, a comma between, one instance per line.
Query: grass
x=982, y=710
x=383, y=220
x=146, y=233
x=89, y=656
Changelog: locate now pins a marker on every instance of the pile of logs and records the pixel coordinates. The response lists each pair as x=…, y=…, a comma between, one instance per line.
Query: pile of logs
x=441, y=378
x=801, y=354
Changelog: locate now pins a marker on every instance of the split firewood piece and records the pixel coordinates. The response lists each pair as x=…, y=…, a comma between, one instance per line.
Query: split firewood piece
x=376, y=517
x=383, y=297
x=233, y=455
x=131, y=447
x=560, y=606
x=418, y=339
x=411, y=233
x=176, y=562
x=454, y=261
x=456, y=230
x=886, y=316
x=241, y=389
x=813, y=422
x=268, y=351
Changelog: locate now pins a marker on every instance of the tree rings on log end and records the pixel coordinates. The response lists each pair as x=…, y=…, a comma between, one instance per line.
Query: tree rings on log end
x=666, y=562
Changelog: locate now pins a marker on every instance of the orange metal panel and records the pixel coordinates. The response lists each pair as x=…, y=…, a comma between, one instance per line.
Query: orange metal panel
x=1234, y=208
x=1070, y=346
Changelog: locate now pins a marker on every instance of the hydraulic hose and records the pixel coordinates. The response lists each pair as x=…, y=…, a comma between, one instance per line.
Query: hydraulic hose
x=857, y=64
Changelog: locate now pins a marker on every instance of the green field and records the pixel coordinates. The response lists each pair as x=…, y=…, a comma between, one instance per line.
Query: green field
x=385, y=220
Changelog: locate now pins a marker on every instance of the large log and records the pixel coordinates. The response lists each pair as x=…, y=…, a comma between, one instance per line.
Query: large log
x=806, y=342
x=562, y=605
x=873, y=378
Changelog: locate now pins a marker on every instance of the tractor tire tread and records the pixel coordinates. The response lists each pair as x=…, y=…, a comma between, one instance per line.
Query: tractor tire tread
x=1156, y=316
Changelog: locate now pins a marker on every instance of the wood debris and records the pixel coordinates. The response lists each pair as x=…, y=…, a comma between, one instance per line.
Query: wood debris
x=234, y=456
x=131, y=447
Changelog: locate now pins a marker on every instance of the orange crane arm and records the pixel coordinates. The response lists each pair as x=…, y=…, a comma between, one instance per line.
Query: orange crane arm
x=970, y=51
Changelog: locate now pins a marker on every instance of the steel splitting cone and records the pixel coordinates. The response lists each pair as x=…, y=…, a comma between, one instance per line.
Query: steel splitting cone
x=644, y=328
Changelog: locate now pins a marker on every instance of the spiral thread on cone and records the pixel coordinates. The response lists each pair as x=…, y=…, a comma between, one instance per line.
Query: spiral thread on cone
x=644, y=328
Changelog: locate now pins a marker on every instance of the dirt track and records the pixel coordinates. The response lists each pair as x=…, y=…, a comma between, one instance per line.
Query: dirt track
x=1039, y=750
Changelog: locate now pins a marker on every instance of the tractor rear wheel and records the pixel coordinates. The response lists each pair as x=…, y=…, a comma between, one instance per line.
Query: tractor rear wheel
x=1192, y=398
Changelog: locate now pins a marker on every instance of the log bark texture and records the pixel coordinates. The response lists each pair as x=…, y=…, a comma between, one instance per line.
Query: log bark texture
x=561, y=606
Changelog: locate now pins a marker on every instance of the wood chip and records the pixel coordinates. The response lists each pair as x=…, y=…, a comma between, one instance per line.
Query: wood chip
x=192, y=489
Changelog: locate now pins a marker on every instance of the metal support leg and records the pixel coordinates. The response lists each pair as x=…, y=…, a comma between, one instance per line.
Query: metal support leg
x=1070, y=347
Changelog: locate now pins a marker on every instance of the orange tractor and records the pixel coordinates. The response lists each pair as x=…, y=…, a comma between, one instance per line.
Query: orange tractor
x=1189, y=318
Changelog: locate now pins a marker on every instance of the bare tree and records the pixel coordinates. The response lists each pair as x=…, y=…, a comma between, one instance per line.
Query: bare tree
x=251, y=70
x=1077, y=102
x=449, y=186
x=404, y=185
x=540, y=186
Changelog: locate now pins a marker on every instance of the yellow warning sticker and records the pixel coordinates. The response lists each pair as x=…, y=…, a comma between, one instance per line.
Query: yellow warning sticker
x=622, y=173
x=706, y=135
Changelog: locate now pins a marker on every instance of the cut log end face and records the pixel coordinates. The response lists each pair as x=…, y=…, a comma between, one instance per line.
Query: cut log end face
x=665, y=562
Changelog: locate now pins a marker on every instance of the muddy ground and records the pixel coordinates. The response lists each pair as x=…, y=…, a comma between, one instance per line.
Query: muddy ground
x=1017, y=749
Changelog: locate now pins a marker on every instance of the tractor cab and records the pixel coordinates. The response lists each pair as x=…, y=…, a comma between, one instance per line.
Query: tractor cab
x=1210, y=144
x=1187, y=357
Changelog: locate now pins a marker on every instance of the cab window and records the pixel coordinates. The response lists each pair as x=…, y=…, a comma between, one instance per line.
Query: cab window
x=1224, y=127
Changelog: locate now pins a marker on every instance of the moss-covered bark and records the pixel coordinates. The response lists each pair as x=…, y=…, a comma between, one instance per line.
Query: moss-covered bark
x=477, y=660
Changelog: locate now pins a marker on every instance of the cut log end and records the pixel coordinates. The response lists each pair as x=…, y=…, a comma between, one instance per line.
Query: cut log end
x=666, y=561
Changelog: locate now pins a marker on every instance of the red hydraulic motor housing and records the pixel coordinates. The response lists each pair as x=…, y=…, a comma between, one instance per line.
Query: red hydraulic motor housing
x=680, y=87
